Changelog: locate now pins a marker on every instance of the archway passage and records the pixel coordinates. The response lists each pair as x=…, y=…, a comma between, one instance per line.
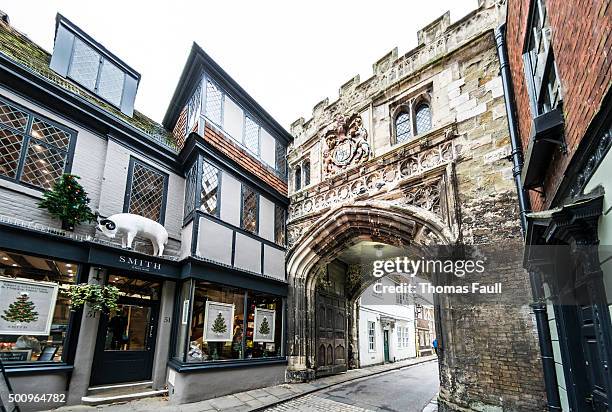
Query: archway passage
x=479, y=337
x=324, y=289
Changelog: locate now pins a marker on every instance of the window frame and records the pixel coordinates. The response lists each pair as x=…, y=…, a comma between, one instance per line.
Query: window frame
x=283, y=228
x=420, y=102
x=371, y=336
x=405, y=108
x=130, y=180
x=101, y=61
x=244, y=186
x=306, y=172
x=26, y=140
x=537, y=92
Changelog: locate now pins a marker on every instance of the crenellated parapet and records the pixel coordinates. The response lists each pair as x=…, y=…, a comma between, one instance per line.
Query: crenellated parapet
x=435, y=40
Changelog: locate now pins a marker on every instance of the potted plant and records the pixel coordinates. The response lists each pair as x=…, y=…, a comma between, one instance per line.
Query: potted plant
x=68, y=202
x=101, y=298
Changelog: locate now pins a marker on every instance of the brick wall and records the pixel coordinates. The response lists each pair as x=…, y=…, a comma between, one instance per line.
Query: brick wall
x=240, y=156
x=582, y=52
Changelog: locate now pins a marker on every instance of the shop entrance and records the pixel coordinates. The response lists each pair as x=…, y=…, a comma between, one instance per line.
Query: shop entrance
x=126, y=336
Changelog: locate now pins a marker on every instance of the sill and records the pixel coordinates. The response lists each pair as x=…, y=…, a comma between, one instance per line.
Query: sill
x=182, y=367
x=20, y=188
x=33, y=368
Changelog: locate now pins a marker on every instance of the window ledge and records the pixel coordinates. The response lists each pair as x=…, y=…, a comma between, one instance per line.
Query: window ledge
x=34, y=369
x=24, y=190
x=182, y=367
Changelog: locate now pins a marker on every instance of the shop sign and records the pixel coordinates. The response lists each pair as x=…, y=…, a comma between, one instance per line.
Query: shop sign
x=26, y=306
x=264, y=325
x=218, y=322
x=141, y=265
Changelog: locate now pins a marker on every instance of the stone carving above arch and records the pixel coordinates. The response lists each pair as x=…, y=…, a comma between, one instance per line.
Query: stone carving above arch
x=346, y=144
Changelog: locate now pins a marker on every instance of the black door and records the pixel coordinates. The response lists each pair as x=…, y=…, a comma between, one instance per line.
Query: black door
x=126, y=336
x=331, y=334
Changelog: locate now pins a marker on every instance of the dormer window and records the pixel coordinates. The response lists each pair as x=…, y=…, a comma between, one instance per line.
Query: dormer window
x=81, y=59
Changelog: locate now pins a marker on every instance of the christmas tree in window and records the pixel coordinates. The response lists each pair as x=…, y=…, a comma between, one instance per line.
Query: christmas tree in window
x=21, y=310
x=264, y=328
x=219, y=326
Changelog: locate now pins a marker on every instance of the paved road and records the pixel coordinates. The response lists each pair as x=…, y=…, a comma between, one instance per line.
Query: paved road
x=405, y=390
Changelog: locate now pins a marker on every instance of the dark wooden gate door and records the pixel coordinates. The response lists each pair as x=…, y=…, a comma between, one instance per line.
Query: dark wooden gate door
x=126, y=343
x=331, y=340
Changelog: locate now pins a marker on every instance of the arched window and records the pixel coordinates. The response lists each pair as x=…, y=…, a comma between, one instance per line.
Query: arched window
x=306, y=171
x=403, y=129
x=423, y=118
x=298, y=178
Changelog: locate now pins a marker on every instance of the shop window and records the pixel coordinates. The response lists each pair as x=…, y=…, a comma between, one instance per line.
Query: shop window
x=306, y=172
x=249, y=209
x=34, y=309
x=33, y=150
x=403, y=129
x=209, y=195
x=227, y=323
x=371, y=336
x=540, y=67
x=280, y=225
x=146, y=191
x=423, y=118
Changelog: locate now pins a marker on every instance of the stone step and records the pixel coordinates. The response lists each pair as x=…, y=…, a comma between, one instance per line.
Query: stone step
x=98, y=395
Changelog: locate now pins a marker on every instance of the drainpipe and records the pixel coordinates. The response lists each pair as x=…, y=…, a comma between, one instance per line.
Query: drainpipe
x=517, y=153
x=538, y=306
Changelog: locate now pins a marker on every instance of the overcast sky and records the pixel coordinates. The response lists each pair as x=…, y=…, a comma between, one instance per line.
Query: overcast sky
x=287, y=55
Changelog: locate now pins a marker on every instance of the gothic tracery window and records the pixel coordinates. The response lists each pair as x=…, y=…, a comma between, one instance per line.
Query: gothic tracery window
x=403, y=129
x=423, y=118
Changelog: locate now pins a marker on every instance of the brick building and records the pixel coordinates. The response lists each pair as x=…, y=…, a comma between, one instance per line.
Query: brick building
x=558, y=72
x=416, y=155
x=213, y=174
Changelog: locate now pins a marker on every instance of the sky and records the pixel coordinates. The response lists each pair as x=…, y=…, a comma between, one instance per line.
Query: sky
x=287, y=55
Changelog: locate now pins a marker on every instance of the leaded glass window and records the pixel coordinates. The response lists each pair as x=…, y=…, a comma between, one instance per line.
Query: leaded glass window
x=403, y=129
x=210, y=189
x=214, y=103
x=190, y=189
x=84, y=65
x=32, y=149
x=194, y=108
x=279, y=225
x=306, y=172
x=146, y=192
x=249, y=209
x=95, y=72
x=110, y=85
x=251, y=135
x=298, y=178
x=423, y=118
x=281, y=160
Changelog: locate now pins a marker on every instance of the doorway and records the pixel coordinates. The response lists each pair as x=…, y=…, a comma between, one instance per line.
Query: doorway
x=126, y=336
x=386, y=345
x=331, y=334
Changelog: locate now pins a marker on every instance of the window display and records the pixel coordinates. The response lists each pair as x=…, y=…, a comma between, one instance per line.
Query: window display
x=34, y=311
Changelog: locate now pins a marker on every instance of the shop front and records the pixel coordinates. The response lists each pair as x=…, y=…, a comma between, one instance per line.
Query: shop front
x=187, y=328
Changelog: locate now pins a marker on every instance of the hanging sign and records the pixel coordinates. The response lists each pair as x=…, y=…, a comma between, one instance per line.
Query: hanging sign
x=26, y=306
x=264, y=325
x=218, y=322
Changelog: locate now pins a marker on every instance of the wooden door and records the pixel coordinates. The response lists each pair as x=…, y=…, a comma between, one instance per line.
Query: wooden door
x=332, y=328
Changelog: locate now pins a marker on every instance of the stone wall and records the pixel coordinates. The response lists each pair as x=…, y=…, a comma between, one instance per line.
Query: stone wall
x=453, y=183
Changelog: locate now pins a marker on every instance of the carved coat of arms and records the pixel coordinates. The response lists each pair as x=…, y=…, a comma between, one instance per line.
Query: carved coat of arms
x=346, y=144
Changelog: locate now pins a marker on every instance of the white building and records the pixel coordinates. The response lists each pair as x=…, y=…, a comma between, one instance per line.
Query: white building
x=386, y=326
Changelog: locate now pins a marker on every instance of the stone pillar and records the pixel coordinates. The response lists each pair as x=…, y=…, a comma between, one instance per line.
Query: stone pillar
x=164, y=329
x=298, y=369
x=85, y=345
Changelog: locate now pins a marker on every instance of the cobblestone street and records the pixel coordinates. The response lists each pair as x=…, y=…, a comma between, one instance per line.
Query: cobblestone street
x=407, y=390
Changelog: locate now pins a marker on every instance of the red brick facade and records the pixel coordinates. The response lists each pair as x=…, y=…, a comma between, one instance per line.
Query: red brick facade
x=582, y=49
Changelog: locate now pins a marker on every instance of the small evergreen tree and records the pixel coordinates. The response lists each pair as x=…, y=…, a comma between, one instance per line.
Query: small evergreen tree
x=67, y=201
x=219, y=325
x=264, y=328
x=22, y=310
